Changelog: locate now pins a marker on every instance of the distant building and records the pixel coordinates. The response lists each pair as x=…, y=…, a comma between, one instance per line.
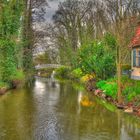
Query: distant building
x=135, y=55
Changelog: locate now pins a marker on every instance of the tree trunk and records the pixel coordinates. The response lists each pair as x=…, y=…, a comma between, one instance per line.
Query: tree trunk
x=28, y=47
x=119, y=83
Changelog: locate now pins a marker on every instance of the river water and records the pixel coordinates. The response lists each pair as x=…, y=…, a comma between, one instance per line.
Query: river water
x=62, y=111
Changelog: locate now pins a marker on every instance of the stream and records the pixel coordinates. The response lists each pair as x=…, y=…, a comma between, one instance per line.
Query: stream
x=50, y=110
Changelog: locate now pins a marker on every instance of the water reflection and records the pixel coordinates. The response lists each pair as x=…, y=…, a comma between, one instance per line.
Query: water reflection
x=79, y=101
x=61, y=112
x=14, y=122
x=46, y=122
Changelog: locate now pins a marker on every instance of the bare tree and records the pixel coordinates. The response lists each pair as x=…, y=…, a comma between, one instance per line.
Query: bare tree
x=77, y=21
x=39, y=10
x=122, y=14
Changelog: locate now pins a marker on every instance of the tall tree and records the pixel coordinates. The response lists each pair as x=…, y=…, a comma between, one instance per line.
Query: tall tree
x=124, y=17
x=78, y=22
x=28, y=41
x=10, y=19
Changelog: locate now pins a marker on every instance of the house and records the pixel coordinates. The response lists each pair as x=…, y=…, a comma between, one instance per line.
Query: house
x=135, y=55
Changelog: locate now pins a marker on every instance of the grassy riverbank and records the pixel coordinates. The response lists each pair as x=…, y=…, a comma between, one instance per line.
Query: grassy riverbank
x=15, y=81
x=107, y=89
x=130, y=93
x=130, y=88
x=15, y=44
x=3, y=87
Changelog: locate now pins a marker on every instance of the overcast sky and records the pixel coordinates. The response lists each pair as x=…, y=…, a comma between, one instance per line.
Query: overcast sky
x=53, y=6
x=49, y=12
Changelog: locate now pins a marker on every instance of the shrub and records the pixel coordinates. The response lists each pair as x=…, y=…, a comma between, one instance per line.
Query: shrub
x=7, y=59
x=87, y=77
x=3, y=85
x=109, y=88
x=126, y=67
x=130, y=88
x=62, y=72
x=76, y=73
x=100, y=84
x=19, y=75
x=131, y=91
x=97, y=57
x=131, y=96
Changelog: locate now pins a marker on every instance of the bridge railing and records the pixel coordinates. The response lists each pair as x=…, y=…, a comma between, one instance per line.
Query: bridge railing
x=37, y=67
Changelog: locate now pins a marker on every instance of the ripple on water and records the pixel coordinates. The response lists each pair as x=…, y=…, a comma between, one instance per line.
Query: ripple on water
x=56, y=113
x=48, y=129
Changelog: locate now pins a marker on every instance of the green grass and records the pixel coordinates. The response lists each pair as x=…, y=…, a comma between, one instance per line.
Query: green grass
x=3, y=85
x=76, y=74
x=130, y=88
x=109, y=87
x=18, y=76
x=62, y=72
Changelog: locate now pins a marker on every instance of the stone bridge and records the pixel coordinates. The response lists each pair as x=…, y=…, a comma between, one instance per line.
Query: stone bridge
x=42, y=66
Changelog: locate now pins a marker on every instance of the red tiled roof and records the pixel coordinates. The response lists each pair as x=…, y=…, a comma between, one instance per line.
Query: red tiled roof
x=136, y=39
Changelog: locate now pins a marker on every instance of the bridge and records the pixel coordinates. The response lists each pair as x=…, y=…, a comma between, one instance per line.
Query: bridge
x=42, y=66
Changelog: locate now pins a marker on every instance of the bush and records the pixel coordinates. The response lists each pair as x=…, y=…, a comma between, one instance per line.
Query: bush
x=19, y=75
x=97, y=58
x=3, y=85
x=7, y=59
x=126, y=67
x=130, y=88
x=62, y=72
x=100, y=84
x=109, y=88
x=76, y=73
x=87, y=77
x=132, y=91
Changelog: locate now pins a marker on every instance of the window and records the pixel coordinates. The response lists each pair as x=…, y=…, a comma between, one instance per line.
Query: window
x=138, y=57
x=134, y=58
